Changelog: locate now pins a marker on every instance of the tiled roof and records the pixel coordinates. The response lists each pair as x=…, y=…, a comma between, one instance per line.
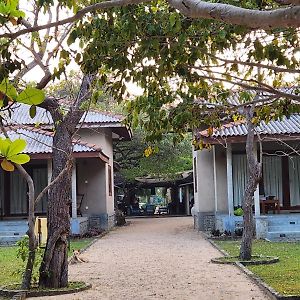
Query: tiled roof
x=20, y=115
x=286, y=126
x=40, y=141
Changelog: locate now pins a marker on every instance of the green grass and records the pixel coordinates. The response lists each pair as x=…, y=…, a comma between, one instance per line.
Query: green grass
x=283, y=276
x=10, y=263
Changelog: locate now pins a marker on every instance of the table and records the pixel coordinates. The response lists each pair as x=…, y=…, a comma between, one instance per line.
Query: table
x=267, y=205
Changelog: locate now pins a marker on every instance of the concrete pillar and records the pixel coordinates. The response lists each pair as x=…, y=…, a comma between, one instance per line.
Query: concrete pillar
x=215, y=178
x=49, y=170
x=74, y=192
x=256, y=193
x=229, y=179
x=187, y=197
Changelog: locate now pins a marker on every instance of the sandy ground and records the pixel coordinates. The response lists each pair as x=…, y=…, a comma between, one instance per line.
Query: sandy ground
x=162, y=258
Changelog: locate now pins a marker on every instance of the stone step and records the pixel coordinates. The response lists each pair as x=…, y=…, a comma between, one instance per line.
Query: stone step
x=12, y=232
x=283, y=235
x=10, y=240
x=11, y=225
x=284, y=228
x=283, y=221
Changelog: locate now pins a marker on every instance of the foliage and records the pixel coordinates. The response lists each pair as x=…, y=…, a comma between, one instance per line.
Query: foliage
x=165, y=160
x=283, y=276
x=10, y=152
x=22, y=254
x=174, y=59
x=68, y=89
x=182, y=64
x=9, y=263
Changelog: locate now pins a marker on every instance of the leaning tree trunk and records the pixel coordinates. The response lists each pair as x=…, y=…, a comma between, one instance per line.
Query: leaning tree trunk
x=254, y=175
x=32, y=242
x=54, y=267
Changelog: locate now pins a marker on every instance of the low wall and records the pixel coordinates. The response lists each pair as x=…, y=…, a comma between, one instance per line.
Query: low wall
x=102, y=221
x=79, y=225
x=204, y=221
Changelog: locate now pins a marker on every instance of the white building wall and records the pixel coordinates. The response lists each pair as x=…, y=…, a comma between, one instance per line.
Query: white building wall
x=203, y=190
x=221, y=175
x=102, y=137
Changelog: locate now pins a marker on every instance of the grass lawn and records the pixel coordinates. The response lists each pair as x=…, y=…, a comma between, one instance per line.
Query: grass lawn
x=10, y=263
x=283, y=276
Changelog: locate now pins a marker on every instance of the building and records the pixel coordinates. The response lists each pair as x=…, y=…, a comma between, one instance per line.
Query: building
x=220, y=175
x=92, y=175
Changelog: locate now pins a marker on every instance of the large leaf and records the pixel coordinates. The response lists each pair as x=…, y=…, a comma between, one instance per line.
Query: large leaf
x=20, y=158
x=31, y=96
x=7, y=166
x=4, y=146
x=8, y=89
x=16, y=147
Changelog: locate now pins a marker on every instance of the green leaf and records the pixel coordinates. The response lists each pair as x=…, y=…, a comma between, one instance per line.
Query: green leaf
x=4, y=146
x=172, y=19
x=8, y=89
x=16, y=147
x=31, y=96
x=32, y=111
x=20, y=158
x=72, y=37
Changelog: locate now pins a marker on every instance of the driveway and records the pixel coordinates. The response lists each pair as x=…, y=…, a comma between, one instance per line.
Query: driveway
x=158, y=258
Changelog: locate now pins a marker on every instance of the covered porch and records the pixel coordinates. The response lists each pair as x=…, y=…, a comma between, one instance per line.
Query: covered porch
x=91, y=193
x=223, y=168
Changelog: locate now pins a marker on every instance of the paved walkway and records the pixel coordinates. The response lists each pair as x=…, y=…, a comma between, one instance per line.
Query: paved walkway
x=161, y=258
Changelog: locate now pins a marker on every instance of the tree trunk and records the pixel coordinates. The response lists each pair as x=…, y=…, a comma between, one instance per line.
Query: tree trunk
x=54, y=268
x=254, y=175
x=27, y=276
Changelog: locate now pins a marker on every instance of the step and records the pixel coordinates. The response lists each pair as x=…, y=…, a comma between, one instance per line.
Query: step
x=13, y=233
x=10, y=240
x=18, y=226
x=283, y=236
x=284, y=228
x=274, y=221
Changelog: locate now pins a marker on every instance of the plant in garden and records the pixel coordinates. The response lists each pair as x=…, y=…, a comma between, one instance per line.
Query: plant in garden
x=23, y=254
x=179, y=52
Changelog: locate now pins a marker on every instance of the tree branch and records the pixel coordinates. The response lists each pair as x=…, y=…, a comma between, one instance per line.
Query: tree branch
x=67, y=168
x=81, y=13
x=230, y=14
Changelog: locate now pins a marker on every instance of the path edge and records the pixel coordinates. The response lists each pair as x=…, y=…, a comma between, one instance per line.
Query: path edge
x=254, y=278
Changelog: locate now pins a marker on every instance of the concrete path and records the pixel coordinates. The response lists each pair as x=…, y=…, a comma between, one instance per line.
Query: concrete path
x=160, y=258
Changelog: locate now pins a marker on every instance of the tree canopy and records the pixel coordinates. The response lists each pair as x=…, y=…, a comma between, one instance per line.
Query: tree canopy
x=165, y=160
x=186, y=56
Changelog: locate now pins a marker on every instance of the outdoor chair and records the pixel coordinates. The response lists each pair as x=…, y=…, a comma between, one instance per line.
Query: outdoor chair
x=79, y=203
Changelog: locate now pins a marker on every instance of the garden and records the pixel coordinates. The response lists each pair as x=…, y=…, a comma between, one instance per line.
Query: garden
x=283, y=276
x=12, y=266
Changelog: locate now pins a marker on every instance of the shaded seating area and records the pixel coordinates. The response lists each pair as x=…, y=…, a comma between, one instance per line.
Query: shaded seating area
x=269, y=204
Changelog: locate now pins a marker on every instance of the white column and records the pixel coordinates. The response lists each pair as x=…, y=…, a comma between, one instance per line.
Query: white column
x=196, y=185
x=256, y=193
x=215, y=178
x=74, y=192
x=187, y=197
x=49, y=170
x=180, y=195
x=229, y=179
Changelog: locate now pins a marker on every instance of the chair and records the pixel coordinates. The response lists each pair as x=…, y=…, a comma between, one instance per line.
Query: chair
x=270, y=204
x=79, y=203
